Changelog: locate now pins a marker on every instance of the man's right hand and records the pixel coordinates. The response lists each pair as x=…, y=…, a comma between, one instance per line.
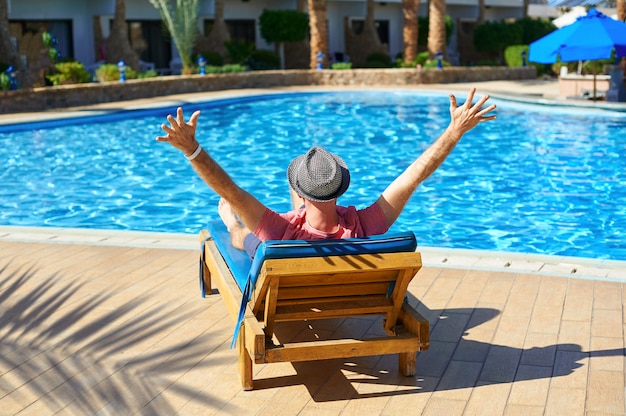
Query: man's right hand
x=181, y=134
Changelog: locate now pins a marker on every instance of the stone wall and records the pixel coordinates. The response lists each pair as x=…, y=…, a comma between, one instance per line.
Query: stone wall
x=65, y=96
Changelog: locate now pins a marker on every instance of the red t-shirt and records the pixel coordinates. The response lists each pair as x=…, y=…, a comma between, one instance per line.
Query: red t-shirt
x=353, y=223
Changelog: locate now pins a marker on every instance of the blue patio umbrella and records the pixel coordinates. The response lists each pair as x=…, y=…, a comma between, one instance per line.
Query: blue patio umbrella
x=589, y=38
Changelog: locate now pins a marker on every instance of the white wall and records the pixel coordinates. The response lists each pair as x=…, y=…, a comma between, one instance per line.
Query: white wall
x=81, y=12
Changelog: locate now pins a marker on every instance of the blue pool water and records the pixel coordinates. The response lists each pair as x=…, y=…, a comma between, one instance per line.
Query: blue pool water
x=539, y=179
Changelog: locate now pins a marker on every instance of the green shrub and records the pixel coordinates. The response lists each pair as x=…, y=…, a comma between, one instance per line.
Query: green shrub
x=151, y=73
x=513, y=55
x=420, y=59
x=341, y=65
x=263, y=60
x=284, y=25
x=234, y=68
x=5, y=82
x=69, y=73
x=377, y=60
x=432, y=63
x=110, y=72
x=493, y=36
x=533, y=29
x=239, y=50
x=224, y=69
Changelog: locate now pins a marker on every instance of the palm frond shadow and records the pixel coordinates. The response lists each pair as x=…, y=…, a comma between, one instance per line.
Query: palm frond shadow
x=53, y=358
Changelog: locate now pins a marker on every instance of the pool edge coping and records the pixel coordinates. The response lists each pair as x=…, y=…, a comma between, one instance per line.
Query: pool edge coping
x=440, y=257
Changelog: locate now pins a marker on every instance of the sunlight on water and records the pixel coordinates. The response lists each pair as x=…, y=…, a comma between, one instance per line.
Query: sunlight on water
x=538, y=179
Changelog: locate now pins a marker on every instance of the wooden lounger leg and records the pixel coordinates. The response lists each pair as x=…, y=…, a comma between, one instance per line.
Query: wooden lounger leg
x=407, y=363
x=207, y=279
x=245, y=362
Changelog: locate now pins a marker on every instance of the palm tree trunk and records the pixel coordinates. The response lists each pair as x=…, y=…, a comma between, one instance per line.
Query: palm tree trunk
x=319, y=31
x=437, y=28
x=481, y=11
x=8, y=55
x=621, y=10
x=118, y=44
x=410, y=29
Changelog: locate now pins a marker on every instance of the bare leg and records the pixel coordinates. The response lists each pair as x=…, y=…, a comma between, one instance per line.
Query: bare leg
x=237, y=230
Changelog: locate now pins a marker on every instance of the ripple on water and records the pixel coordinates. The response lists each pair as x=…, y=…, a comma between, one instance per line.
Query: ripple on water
x=539, y=179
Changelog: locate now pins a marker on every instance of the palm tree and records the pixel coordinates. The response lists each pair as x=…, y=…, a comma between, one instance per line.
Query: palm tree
x=118, y=43
x=216, y=40
x=481, y=12
x=621, y=10
x=319, y=31
x=182, y=23
x=437, y=27
x=410, y=29
x=8, y=54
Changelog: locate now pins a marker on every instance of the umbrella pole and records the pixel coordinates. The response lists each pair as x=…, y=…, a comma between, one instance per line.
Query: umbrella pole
x=594, y=85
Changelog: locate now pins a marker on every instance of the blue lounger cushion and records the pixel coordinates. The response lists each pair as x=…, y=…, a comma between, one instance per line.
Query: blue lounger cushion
x=246, y=271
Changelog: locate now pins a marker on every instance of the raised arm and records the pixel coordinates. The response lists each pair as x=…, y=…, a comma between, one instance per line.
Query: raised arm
x=463, y=119
x=182, y=135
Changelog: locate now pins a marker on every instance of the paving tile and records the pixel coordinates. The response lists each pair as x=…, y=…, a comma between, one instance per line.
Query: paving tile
x=501, y=364
x=473, y=347
x=488, y=399
x=539, y=350
x=458, y=381
x=605, y=392
x=570, y=370
x=607, y=323
x=607, y=354
x=511, y=331
x=531, y=386
x=574, y=335
x=546, y=319
x=565, y=402
x=451, y=328
x=523, y=410
x=551, y=291
x=411, y=395
x=437, y=407
x=607, y=295
x=434, y=361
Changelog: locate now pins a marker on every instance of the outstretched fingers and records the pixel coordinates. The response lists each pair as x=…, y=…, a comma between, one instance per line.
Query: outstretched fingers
x=470, y=98
x=485, y=111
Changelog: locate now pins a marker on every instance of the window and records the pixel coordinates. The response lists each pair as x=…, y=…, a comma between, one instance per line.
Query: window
x=382, y=27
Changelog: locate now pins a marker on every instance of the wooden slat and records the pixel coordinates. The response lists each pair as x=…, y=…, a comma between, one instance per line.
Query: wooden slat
x=342, y=348
x=342, y=264
x=339, y=278
x=308, y=292
x=356, y=298
x=322, y=310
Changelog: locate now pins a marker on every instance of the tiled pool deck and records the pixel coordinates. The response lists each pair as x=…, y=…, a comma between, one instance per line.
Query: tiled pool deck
x=106, y=322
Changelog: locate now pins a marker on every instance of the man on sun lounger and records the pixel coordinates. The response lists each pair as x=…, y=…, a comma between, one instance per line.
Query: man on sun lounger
x=318, y=178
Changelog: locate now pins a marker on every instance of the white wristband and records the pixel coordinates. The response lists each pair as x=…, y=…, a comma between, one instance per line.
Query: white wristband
x=194, y=154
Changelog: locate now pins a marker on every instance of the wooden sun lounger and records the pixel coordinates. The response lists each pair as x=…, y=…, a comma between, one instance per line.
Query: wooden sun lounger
x=330, y=283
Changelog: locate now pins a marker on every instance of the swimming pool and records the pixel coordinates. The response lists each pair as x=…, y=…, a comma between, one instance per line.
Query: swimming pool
x=539, y=179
